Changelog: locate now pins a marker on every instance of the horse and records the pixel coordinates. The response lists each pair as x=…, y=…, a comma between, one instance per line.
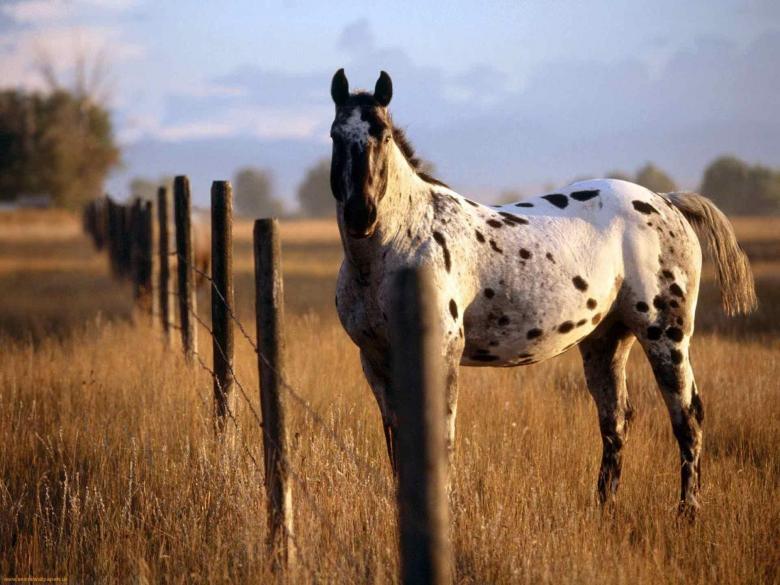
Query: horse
x=598, y=264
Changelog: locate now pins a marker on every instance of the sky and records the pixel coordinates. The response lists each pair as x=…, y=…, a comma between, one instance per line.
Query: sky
x=499, y=95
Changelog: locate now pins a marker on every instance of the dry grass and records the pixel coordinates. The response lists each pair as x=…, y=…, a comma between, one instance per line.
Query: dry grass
x=108, y=469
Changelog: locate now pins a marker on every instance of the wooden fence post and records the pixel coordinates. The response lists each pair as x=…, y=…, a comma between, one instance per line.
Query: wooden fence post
x=125, y=243
x=164, y=273
x=141, y=238
x=222, y=305
x=113, y=235
x=185, y=266
x=269, y=308
x=418, y=399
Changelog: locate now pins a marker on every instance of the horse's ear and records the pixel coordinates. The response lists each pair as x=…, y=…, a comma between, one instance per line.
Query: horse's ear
x=383, y=91
x=339, y=88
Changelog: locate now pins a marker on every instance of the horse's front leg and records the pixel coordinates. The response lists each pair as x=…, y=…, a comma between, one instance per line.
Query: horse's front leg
x=377, y=372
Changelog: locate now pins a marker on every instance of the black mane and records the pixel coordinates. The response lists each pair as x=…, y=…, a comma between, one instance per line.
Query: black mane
x=366, y=100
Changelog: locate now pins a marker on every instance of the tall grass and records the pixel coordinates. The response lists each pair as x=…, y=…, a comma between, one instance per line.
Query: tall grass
x=109, y=470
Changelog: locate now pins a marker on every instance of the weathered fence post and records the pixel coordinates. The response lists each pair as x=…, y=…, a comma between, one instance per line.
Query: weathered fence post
x=126, y=214
x=141, y=238
x=222, y=304
x=269, y=308
x=113, y=234
x=418, y=400
x=164, y=273
x=185, y=266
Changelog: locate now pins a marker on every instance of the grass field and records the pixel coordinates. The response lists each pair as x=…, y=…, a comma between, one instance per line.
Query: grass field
x=109, y=471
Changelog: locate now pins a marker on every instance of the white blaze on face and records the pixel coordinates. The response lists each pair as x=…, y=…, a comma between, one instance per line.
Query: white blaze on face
x=355, y=129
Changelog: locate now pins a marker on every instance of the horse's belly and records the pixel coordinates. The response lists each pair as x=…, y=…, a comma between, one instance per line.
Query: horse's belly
x=514, y=327
x=532, y=345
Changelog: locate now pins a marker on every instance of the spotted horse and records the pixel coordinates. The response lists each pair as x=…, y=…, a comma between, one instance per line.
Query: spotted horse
x=599, y=264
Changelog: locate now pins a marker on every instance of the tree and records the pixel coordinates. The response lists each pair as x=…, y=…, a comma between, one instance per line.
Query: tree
x=60, y=144
x=740, y=188
x=314, y=194
x=253, y=194
x=653, y=178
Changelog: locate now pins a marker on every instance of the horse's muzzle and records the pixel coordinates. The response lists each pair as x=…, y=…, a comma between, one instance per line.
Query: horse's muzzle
x=360, y=217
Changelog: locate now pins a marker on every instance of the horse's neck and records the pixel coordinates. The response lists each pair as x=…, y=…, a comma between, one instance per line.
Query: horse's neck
x=405, y=204
x=406, y=199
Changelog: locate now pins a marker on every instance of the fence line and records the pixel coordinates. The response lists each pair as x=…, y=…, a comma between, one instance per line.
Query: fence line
x=110, y=224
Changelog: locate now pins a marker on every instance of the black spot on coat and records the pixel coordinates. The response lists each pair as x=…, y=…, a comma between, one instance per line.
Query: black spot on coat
x=495, y=247
x=453, y=309
x=676, y=290
x=584, y=195
x=579, y=283
x=443, y=243
x=494, y=223
x=524, y=204
x=643, y=207
x=677, y=356
x=675, y=334
x=480, y=237
x=490, y=293
x=524, y=254
x=558, y=199
x=654, y=333
x=533, y=333
x=512, y=220
x=591, y=304
x=565, y=327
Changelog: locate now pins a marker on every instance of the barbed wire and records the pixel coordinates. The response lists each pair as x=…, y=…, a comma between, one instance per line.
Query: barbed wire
x=293, y=392
x=241, y=435
x=301, y=482
x=230, y=367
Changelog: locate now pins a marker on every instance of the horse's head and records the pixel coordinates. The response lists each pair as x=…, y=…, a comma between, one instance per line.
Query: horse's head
x=362, y=138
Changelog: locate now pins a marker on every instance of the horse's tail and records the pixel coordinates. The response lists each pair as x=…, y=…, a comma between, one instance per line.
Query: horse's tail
x=737, y=290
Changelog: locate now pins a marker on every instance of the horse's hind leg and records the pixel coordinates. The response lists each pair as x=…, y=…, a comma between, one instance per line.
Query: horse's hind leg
x=604, y=355
x=672, y=368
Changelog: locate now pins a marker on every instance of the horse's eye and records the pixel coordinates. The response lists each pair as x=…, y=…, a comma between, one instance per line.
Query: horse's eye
x=387, y=138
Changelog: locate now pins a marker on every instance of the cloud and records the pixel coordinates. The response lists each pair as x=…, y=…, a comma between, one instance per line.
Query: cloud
x=482, y=132
x=42, y=11
x=356, y=37
x=261, y=123
x=31, y=11
x=23, y=51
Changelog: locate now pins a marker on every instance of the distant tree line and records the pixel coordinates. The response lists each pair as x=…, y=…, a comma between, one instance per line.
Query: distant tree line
x=61, y=144
x=736, y=186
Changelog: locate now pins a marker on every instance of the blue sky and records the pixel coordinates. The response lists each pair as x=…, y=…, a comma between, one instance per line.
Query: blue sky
x=501, y=95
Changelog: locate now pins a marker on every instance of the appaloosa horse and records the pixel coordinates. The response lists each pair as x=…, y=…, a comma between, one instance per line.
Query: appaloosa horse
x=597, y=264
